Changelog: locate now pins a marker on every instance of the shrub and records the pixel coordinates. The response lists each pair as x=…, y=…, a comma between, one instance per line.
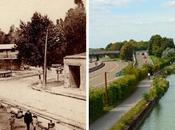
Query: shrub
x=96, y=104
x=158, y=89
x=119, y=90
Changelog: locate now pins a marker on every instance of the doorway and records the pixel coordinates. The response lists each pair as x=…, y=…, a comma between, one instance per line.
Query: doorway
x=74, y=76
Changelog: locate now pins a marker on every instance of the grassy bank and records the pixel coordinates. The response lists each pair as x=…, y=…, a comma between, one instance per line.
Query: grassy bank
x=158, y=89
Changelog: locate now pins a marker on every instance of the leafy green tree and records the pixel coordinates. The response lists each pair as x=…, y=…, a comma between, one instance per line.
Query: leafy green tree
x=169, y=52
x=114, y=46
x=141, y=45
x=126, y=51
x=157, y=45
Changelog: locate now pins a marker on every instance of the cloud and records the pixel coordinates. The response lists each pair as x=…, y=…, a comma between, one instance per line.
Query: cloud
x=170, y=3
x=115, y=3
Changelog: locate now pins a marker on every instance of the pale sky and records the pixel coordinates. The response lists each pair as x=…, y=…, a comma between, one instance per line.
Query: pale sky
x=119, y=20
x=12, y=11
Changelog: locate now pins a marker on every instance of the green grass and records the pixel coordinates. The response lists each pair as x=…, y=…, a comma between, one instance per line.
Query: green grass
x=158, y=89
x=128, y=117
x=155, y=59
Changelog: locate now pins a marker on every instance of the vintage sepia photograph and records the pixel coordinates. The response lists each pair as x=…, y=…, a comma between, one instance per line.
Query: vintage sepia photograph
x=43, y=65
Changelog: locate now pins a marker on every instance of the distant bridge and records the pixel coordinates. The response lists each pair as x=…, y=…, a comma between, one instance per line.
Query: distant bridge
x=102, y=53
x=97, y=54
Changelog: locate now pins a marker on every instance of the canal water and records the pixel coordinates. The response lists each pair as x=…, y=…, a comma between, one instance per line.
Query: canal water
x=163, y=115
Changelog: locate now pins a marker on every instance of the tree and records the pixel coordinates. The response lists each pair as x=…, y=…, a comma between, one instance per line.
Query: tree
x=169, y=52
x=73, y=30
x=2, y=36
x=31, y=41
x=79, y=3
x=114, y=46
x=126, y=51
x=157, y=45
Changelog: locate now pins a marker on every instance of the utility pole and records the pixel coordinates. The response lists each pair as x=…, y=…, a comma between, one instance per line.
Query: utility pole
x=45, y=62
x=106, y=89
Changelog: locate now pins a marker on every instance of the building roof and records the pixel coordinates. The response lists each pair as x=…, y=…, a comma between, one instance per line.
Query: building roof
x=7, y=46
x=76, y=56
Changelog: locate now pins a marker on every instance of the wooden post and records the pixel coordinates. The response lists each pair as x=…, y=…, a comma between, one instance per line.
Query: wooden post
x=45, y=62
x=106, y=89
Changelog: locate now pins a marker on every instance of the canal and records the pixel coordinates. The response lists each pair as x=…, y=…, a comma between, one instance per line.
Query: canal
x=163, y=115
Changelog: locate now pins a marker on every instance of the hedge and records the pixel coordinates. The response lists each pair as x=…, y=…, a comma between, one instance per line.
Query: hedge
x=168, y=70
x=96, y=104
x=119, y=90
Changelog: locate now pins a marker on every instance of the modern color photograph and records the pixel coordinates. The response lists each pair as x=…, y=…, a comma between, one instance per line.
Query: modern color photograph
x=131, y=64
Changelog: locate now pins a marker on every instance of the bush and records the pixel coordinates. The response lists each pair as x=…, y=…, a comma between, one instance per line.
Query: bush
x=121, y=89
x=158, y=89
x=168, y=70
x=96, y=104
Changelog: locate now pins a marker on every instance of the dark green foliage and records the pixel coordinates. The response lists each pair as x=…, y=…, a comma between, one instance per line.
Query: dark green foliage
x=158, y=89
x=96, y=104
x=140, y=73
x=117, y=92
x=157, y=45
x=138, y=45
x=126, y=52
x=114, y=46
x=121, y=89
x=168, y=70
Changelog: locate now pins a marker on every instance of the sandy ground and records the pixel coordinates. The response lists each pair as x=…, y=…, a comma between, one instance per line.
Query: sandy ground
x=5, y=125
x=57, y=106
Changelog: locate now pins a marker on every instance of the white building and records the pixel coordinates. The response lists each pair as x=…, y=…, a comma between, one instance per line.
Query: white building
x=75, y=71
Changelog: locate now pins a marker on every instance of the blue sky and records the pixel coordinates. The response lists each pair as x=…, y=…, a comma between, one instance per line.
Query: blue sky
x=118, y=20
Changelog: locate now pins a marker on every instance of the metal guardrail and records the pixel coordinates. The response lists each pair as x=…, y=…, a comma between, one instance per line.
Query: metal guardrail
x=96, y=67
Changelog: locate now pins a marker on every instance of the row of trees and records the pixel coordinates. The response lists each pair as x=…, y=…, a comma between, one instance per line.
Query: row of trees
x=157, y=46
x=66, y=37
x=138, y=45
x=10, y=37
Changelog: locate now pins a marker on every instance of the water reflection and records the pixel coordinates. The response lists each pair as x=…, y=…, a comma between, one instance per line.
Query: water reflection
x=163, y=115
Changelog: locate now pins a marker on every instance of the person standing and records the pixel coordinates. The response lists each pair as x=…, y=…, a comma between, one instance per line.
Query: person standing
x=12, y=122
x=149, y=76
x=28, y=119
x=51, y=125
x=35, y=122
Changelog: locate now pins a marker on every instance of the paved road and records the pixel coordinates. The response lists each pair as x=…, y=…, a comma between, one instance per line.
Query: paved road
x=59, y=107
x=96, y=78
x=109, y=119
